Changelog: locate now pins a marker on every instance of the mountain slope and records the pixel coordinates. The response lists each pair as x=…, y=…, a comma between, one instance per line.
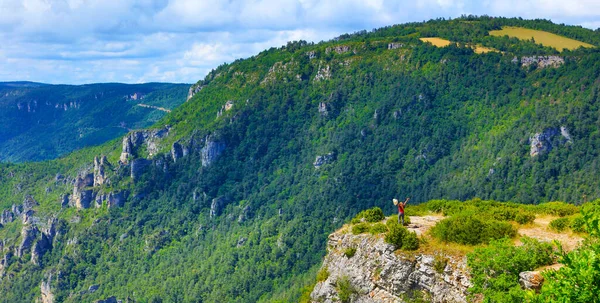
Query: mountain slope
x=40, y=121
x=234, y=199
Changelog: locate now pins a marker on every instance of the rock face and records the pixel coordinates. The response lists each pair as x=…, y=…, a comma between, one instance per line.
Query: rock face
x=46, y=290
x=176, y=151
x=378, y=274
x=217, y=205
x=395, y=45
x=7, y=216
x=340, y=49
x=137, y=167
x=99, y=170
x=135, y=139
x=211, y=151
x=531, y=280
x=323, y=111
x=542, y=61
x=28, y=235
x=541, y=143
x=116, y=199
x=324, y=73
x=40, y=248
x=82, y=195
x=324, y=159
x=194, y=89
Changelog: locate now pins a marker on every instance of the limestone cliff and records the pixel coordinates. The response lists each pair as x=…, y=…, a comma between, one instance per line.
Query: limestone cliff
x=378, y=273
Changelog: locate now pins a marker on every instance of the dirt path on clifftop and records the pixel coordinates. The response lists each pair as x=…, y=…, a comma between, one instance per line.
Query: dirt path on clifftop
x=539, y=230
x=422, y=225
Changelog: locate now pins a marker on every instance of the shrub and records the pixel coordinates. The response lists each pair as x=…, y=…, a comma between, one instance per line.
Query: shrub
x=360, y=228
x=345, y=289
x=524, y=217
x=439, y=263
x=560, y=209
x=378, y=228
x=504, y=213
x=323, y=274
x=350, y=252
x=470, y=230
x=560, y=224
x=374, y=214
x=578, y=224
x=495, y=269
x=410, y=241
x=395, y=234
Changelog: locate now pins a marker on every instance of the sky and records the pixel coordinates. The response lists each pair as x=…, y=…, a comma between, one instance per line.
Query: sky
x=136, y=41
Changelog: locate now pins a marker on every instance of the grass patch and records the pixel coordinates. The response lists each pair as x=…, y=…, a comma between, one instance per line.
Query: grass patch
x=540, y=37
x=360, y=228
x=478, y=49
x=345, y=289
x=350, y=252
x=323, y=274
x=378, y=228
x=439, y=42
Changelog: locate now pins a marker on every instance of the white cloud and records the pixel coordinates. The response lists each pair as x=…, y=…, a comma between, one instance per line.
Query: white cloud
x=80, y=41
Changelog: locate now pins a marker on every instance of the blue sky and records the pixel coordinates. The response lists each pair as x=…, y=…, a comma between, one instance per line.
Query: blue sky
x=133, y=41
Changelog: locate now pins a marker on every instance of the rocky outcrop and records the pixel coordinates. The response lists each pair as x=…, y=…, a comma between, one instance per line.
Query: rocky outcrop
x=378, y=274
x=116, y=199
x=340, y=49
x=64, y=200
x=28, y=235
x=226, y=107
x=217, y=205
x=395, y=45
x=46, y=290
x=83, y=195
x=176, y=151
x=531, y=280
x=323, y=110
x=29, y=203
x=5, y=262
x=7, y=216
x=194, y=89
x=100, y=165
x=138, y=166
x=542, y=61
x=324, y=159
x=40, y=248
x=323, y=73
x=246, y=212
x=544, y=142
x=149, y=138
x=211, y=151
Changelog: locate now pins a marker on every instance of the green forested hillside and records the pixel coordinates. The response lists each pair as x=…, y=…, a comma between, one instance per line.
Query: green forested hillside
x=40, y=121
x=276, y=151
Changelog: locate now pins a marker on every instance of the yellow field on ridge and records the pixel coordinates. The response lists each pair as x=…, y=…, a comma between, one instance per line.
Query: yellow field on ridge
x=439, y=42
x=540, y=37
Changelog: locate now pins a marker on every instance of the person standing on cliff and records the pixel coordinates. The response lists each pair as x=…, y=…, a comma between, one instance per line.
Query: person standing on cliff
x=401, y=206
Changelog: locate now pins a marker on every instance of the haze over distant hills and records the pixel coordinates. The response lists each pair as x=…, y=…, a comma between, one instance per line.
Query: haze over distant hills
x=40, y=121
